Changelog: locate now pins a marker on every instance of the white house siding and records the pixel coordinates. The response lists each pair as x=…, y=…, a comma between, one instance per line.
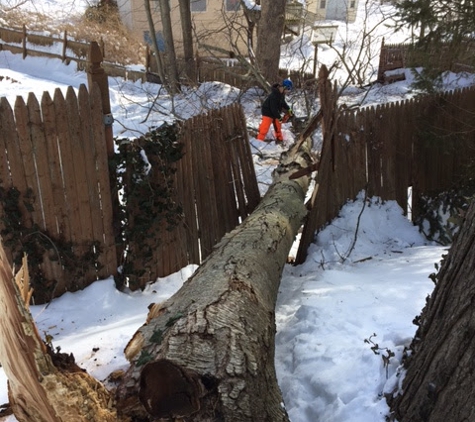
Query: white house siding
x=207, y=23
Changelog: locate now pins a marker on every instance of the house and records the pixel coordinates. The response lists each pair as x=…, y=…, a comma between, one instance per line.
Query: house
x=220, y=24
x=338, y=10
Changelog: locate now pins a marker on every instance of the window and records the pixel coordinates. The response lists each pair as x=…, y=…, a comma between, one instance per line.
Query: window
x=232, y=5
x=352, y=4
x=323, y=4
x=198, y=5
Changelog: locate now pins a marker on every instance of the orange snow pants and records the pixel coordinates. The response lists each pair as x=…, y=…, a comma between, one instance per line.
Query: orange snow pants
x=265, y=125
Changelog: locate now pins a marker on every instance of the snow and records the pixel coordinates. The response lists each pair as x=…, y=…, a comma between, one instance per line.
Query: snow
x=365, y=279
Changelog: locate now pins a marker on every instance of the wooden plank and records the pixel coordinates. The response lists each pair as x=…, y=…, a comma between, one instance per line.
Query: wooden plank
x=82, y=191
x=51, y=267
x=104, y=180
x=356, y=155
x=41, y=154
x=67, y=156
x=237, y=180
x=6, y=132
x=61, y=211
x=246, y=159
x=220, y=139
x=54, y=161
x=90, y=173
x=372, y=152
x=388, y=138
x=202, y=176
x=339, y=163
x=180, y=235
x=402, y=155
x=188, y=195
x=9, y=140
x=32, y=195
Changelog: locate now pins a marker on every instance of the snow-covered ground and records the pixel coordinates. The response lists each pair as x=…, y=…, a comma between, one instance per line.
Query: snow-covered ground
x=356, y=288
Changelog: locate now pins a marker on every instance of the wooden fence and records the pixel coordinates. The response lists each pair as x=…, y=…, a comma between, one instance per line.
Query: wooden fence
x=216, y=185
x=457, y=58
x=20, y=41
x=55, y=200
x=426, y=143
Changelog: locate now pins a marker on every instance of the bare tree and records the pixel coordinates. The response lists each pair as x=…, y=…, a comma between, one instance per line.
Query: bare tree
x=356, y=54
x=170, y=54
x=156, y=50
x=187, y=31
x=269, y=35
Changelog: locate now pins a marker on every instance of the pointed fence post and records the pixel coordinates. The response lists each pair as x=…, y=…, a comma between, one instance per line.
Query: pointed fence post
x=97, y=74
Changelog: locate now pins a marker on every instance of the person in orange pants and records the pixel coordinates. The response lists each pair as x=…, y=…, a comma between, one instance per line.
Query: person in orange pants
x=272, y=108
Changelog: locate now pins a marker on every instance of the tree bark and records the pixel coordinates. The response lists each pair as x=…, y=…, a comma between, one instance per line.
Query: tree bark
x=439, y=383
x=207, y=353
x=187, y=31
x=43, y=386
x=269, y=35
x=174, y=84
x=153, y=37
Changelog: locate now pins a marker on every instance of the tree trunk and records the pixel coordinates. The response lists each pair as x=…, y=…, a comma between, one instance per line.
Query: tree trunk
x=43, y=386
x=208, y=351
x=153, y=37
x=269, y=35
x=174, y=84
x=439, y=385
x=187, y=30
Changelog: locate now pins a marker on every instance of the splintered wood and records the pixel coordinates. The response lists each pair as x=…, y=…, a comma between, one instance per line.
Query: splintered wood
x=38, y=390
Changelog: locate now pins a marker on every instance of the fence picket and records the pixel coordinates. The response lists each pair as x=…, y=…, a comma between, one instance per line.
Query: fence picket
x=78, y=164
x=26, y=150
x=107, y=241
x=7, y=131
x=185, y=171
x=90, y=171
x=40, y=152
x=54, y=165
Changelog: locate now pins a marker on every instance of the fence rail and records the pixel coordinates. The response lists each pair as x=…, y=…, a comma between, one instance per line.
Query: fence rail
x=20, y=41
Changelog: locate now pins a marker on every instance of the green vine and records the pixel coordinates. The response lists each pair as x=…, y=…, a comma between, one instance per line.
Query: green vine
x=441, y=216
x=146, y=184
x=21, y=238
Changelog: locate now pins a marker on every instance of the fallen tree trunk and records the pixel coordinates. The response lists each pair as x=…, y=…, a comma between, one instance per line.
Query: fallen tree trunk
x=207, y=353
x=43, y=386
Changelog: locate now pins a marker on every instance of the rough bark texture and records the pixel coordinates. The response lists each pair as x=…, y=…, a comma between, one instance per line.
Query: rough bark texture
x=207, y=353
x=170, y=54
x=269, y=35
x=43, y=386
x=439, y=385
x=187, y=31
